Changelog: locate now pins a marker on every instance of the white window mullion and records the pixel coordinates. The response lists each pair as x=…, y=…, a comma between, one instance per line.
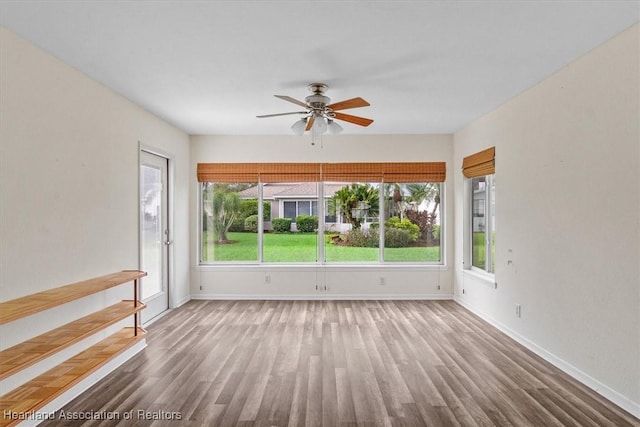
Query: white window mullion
x=260, y=222
x=320, y=214
x=381, y=207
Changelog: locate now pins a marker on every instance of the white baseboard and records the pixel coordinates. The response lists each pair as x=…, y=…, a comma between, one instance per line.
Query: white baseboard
x=328, y=297
x=49, y=410
x=182, y=301
x=600, y=388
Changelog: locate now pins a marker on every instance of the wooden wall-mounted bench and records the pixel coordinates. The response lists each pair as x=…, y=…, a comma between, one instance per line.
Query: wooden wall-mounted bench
x=43, y=389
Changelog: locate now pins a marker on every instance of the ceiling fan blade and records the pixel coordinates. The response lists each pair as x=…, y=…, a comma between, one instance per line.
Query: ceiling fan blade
x=290, y=99
x=349, y=103
x=281, y=114
x=310, y=123
x=353, y=119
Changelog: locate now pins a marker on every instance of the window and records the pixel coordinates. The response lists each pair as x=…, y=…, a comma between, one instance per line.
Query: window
x=316, y=213
x=224, y=235
x=481, y=208
x=483, y=224
x=288, y=241
x=353, y=235
x=412, y=222
x=292, y=209
x=328, y=218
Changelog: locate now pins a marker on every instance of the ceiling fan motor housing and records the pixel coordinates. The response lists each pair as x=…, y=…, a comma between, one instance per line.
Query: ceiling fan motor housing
x=317, y=101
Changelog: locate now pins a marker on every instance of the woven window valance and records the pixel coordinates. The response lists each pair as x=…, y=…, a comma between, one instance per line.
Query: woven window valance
x=479, y=164
x=312, y=172
x=258, y=172
x=385, y=172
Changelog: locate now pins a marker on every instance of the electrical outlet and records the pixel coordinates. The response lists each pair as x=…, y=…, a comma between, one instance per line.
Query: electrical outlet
x=267, y=278
x=200, y=287
x=438, y=287
x=463, y=290
x=518, y=310
x=382, y=281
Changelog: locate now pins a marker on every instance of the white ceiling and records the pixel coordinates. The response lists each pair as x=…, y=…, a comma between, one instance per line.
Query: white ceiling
x=209, y=67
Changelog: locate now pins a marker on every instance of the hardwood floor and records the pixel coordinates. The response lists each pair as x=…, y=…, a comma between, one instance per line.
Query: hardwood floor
x=337, y=363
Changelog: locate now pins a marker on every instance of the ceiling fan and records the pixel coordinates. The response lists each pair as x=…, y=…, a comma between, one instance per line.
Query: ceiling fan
x=319, y=114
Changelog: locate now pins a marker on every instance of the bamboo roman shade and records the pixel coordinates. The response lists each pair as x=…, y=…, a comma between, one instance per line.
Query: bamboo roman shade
x=479, y=164
x=385, y=172
x=312, y=172
x=258, y=172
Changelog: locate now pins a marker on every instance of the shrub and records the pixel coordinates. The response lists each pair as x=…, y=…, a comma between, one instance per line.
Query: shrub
x=249, y=207
x=362, y=238
x=396, y=238
x=429, y=230
x=251, y=223
x=281, y=225
x=436, y=232
x=306, y=223
x=332, y=238
x=412, y=229
x=237, y=225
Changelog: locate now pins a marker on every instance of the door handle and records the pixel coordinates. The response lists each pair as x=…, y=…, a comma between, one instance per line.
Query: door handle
x=168, y=242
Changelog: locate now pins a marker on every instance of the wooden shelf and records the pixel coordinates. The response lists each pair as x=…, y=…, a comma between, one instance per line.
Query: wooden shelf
x=31, y=304
x=43, y=389
x=20, y=356
x=37, y=392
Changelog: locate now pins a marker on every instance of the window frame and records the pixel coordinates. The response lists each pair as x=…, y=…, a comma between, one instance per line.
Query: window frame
x=321, y=226
x=201, y=212
x=310, y=203
x=267, y=173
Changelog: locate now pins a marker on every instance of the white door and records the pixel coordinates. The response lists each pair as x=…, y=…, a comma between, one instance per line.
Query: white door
x=155, y=236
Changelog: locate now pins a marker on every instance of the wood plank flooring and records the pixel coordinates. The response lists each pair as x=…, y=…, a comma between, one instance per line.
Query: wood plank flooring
x=337, y=363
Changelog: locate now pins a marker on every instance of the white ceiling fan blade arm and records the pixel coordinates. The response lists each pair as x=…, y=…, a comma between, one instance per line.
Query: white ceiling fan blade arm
x=281, y=114
x=290, y=99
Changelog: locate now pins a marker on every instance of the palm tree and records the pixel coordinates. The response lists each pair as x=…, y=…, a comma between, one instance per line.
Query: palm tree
x=353, y=199
x=419, y=192
x=224, y=208
x=398, y=200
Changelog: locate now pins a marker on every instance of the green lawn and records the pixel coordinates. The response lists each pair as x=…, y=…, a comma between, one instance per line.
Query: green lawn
x=297, y=247
x=478, y=255
x=478, y=250
x=246, y=248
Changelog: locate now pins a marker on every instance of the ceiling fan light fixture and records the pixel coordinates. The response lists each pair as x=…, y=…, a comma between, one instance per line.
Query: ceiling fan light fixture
x=299, y=126
x=319, y=126
x=334, y=128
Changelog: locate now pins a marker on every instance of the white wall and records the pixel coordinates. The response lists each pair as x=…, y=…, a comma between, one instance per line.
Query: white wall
x=69, y=183
x=340, y=281
x=568, y=217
